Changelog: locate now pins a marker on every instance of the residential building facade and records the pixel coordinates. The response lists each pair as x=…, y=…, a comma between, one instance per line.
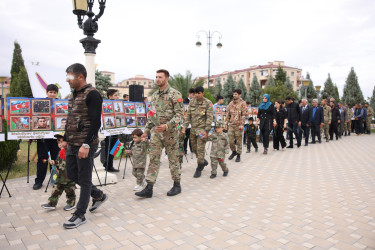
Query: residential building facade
x=123, y=86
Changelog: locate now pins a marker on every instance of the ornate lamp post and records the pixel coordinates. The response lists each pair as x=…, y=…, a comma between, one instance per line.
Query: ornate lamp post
x=305, y=83
x=317, y=87
x=209, y=36
x=83, y=8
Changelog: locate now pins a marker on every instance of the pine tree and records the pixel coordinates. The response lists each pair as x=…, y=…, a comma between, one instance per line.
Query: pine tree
x=229, y=86
x=372, y=100
x=102, y=83
x=20, y=84
x=280, y=76
x=352, y=90
x=271, y=82
x=242, y=87
x=337, y=95
x=255, y=92
x=329, y=89
x=218, y=87
x=288, y=84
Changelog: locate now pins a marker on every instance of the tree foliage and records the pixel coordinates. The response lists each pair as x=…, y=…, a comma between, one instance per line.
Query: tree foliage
x=182, y=83
x=271, y=82
x=102, y=83
x=242, y=87
x=352, y=91
x=229, y=86
x=372, y=99
x=218, y=87
x=311, y=91
x=329, y=89
x=280, y=76
x=255, y=92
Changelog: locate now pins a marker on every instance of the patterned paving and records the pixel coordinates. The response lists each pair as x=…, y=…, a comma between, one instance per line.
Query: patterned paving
x=315, y=197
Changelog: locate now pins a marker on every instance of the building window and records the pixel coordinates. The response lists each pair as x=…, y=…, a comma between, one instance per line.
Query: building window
x=292, y=74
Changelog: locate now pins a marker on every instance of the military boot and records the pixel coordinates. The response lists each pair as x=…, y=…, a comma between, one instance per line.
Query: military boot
x=205, y=163
x=213, y=176
x=198, y=171
x=238, y=158
x=234, y=153
x=146, y=192
x=248, y=150
x=175, y=190
x=345, y=133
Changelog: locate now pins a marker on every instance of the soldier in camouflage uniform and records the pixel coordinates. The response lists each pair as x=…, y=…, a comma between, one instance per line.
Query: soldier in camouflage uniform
x=327, y=119
x=139, y=155
x=166, y=114
x=236, y=113
x=348, y=123
x=199, y=115
x=62, y=183
x=370, y=115
x=220, y=147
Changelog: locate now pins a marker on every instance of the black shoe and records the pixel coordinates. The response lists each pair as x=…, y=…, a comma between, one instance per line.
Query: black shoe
x=306, y=144
x=226, y=173
x=248, y=151
x=213, y=176
x=337, y=138
x=146, y=192
x=48, y=206
x=345, y=134
x=238, y=158
x=313, y=142
x=113, y=170
x=37, y=186
x=199, y=169
x=289, y=147
x=175, y=190
x=205, y=163
x=298, y=145
x=232, y=155
x=97, y=203
x=349, y=133
x=75, y=221
x=265, y=151
x=320, y=141
x=256, y=150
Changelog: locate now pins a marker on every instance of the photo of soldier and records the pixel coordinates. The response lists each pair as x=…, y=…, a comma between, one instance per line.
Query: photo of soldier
x=41, y=123
x=19, y=106
x=141, y=121
x=60, y=123
x=107, y=107
x=109, y=122
x=41, y=106
x=119, y=107
x=130, y=121
x=120, y=121
x=61, y=107
x=140, y=108
x=129, y=108
x=19, y=123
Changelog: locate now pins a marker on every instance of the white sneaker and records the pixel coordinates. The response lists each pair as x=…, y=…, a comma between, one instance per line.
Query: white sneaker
x=137, y=188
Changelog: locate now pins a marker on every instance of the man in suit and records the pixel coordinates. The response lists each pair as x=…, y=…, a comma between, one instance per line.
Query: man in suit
x=336, y=119
x=317, y=121
x=305, y=121
x=343, y=117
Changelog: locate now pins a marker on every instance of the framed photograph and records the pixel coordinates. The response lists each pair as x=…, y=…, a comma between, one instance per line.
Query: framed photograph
x=20, y=106
x=141, y=121
x=19, y=123
x=217, y=110
x=255, y=111
x=130, y=121
x=249, y=110
x=120, y=121
x=1, y=106
x=61, y=107
x=218, y=117
x=1, y=125
x=140, y=108
x=41, y=123
x=129, y=108
x=118, y=107
x=41, y=106
x=109, y=121
x=60, y=122
x=224, y=110
x=107, y=107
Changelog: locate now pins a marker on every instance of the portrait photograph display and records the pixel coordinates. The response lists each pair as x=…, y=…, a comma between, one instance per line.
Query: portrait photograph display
x=107, y=107
x=140, y=108
x=217, y=109
x=19, y=123
x=218, y=117
x=109, y=121
x=19, y=106
x=1, y=124
x=141, y=121
x=129, y=108
x=60, y=122
x=1, y=106
x=224, y=110
x=130, y=121
x=224, y=118
x=41, y=106
x=41, y=123
x=118, y=107
x=120, y=121
x=61, y=107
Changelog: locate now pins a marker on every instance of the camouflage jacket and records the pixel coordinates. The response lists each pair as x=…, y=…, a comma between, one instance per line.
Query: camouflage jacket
x=370, y=112
x=236, y=112
x=220, y=145
x=327, y=114
x=169, y=108
x=139, y=154
x=199, y=115
x=350, y=114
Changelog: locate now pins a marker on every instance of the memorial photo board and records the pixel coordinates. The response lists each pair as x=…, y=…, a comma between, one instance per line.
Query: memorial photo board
x=19, y=106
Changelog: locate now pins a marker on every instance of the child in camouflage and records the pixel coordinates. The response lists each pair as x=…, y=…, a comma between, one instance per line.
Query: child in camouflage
x=139, y=155
x=251, y=135
x=62, y=182
x=220, y=147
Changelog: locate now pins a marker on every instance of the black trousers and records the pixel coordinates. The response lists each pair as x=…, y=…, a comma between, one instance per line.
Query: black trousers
x=315, y=131
x=43, y=147
x=265, y=137
x=278, y=138
x=251, y=140
x=306, y=132
x=80, y=171
x=359, y=126
x=294, y=127
x=187, y=138
x=109, y=147
x=333, y=128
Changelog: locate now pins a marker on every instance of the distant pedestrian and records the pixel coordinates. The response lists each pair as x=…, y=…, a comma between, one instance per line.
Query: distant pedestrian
x=266, y=120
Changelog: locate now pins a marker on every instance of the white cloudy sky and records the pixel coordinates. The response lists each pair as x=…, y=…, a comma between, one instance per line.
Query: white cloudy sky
x=139, y=37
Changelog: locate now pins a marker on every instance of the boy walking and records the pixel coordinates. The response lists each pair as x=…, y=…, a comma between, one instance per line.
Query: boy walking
x=251, y=135
x=220, y=147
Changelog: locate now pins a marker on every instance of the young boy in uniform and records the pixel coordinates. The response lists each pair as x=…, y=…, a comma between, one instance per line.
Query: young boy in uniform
x=62, y=182
x=251, y=135
x=219, y=147
x=139, y=155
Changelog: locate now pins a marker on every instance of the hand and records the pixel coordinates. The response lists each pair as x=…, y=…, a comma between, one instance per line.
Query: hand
x=204, y=135
x=52, y=162
x=183, y=131
x=307, y=125
x=339, y=121
x=299, y=124
x=83, y=152
x=284, y=125
x=161, y=128
x=64, y=145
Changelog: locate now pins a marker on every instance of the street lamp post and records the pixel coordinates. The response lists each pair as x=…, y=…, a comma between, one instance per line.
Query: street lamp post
x=83, y=8
x=306, y=84
x=209, y=36
x=317, y=87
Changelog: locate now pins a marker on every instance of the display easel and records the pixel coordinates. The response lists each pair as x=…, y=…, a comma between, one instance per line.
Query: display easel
x=10, y=166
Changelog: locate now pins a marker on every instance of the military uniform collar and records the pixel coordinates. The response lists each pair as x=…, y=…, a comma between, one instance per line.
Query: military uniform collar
x=164, y=91
x=237, y=101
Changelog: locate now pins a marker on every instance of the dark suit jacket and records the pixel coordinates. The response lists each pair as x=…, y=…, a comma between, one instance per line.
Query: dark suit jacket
x=266, y=117
x=306, y=116
x=335, y=115
x=319, y=115
x=294, y=112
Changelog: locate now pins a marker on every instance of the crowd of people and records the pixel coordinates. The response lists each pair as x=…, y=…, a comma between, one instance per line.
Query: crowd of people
x=73, y=151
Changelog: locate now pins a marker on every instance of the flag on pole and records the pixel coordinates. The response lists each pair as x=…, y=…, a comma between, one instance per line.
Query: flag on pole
x=116, y=150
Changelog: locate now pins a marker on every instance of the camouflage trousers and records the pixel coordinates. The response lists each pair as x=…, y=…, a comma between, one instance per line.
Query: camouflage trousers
x=368, y=124
x=170, y=143
x=139, y=174
x=234, y=133
x=59, y=188
x=325, y=130
x=348, y=126
x=198, y=144
x=214, y=162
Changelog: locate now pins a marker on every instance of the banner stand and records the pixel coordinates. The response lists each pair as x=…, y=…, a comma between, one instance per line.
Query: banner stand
x=126, y=161
x=10, y=166
x=106, y=167
x=100, y=183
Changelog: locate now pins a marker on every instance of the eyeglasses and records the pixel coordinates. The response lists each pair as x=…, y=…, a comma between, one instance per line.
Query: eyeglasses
x=69, y=77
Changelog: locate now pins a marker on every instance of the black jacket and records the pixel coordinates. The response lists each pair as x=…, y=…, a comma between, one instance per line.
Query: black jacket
x=318, y=117
x=294, y=112
x=266, y=117
x=306, y=116
x=335, y=115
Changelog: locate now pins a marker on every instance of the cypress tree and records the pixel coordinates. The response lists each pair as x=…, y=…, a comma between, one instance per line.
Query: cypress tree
x=229, y=86
x=20, y=84
x=102, y=83
x=255, y=92
x=372, y=100
x=280, y=76
x=218, y=87
x=271, y=82
x=329, y=89
x=352, y=90
x=242, y=87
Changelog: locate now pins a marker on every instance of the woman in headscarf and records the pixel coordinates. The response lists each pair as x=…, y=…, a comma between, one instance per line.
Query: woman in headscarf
x=267, y=118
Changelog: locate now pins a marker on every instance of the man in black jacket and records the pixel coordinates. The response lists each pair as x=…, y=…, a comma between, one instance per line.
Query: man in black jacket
x=335, y=122
x=305, y=121
x=317, y=121
x=294, y=120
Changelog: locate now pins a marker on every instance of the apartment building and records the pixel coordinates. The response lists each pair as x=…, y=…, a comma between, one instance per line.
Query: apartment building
x=123, y=86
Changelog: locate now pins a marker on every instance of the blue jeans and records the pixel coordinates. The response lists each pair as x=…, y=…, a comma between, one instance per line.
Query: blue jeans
x=80, y=171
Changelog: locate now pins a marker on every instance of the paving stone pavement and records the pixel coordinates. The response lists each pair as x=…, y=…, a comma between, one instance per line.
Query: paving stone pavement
x=316, y=197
